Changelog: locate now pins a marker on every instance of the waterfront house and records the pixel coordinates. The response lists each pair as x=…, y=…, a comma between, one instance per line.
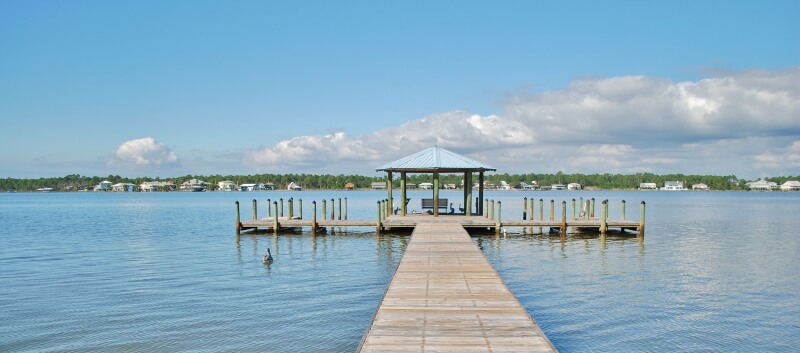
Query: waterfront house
x=574, y=186
x=648, y=186
x=155, y=186
x=700, y=186
x=426, y=186
x=673, y=186
x=194, y=185
x=450, y=186
x=104, y=185
x=792, y=185
x=558, y=187
x=378, y=185
x=123, y=187
x=252, y=187
x=269, y=186
x=349, y=186
x=504, y=185
x=227, y=185
x=411, y=186
x=293, y=187
x=761, y=185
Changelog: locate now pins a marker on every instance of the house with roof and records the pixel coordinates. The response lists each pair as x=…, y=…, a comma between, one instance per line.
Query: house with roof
x=648, y=186
x=673, y=186
x=194, y=185
x=761, y=185
x=227, y=185
x=349, y=186
x=426, y=186
x=294, y=187
x=156, y=186
x=700, y=186
x=558, y=187
x=378, y=185
x=123, y=187
x=104, y=185
x=792, y=185
x=574, y=186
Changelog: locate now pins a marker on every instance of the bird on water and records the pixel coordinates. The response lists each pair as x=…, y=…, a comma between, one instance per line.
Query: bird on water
x=268, y=257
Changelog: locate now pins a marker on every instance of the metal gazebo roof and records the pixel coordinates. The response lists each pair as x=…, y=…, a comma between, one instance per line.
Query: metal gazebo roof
x=435, y=159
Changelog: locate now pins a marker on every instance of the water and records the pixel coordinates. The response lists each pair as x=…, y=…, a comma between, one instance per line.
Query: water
x=89, y=272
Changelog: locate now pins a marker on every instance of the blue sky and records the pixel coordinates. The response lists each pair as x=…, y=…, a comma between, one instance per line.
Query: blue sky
x=266, y=86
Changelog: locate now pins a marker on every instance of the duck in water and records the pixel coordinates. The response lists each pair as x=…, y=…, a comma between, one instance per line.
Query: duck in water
x=268, y=257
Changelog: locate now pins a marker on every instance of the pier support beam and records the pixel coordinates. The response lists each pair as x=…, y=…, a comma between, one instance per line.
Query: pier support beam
x=436, y=194
x=604, y=217
x=573, y=210
x=269, y=208
x=389, y=190
x=641, y=220
x=275, y=225
x=499, y=219
x=255, y=209
x=324, y=209
x=468, y=193
x=402, y=193
x=592, y=214
x=290, y=203
x=482, y=206
x=491, y=210
x=314, y=217
x=623, y=210
x=532, y=216
x=524, y=208
x=300, y=208
x=281, y=207
x=378, y=220
x=564, y=217
x=238, y=220
x=541, y=213
x=339, y=201
x=333, y=211
x=345, y=208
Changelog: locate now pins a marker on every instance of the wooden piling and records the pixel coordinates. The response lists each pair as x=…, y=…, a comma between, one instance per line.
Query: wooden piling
x=564, y=217
x=238, y=220
x=641, y=220
x=300, y=201
x=524, y=208
x=498, y=220
x=580, y=206
x=339, y=200
x=378, y=220
x=436, y=194
x=275, y=225
x=314, y=217
x=402, y=195
x=623, y=210
x=269, y=208
x=586, y=212
x=281, y=207
x=389, y=192
x=485, y=208
x=592, y=209
x=552, y=210
x=491, y=210
x=532, y=215
x=541, y=213
x=604, y=217
x=290, y=203
x=345, y=208
x=255, y=209
x=573, y=210
x=333, y=210
x=324, y=209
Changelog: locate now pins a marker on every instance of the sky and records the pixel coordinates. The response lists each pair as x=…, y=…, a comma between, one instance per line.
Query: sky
x=169, y=88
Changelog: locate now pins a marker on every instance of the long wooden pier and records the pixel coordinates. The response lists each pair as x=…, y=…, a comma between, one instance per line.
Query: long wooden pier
x=446, y=297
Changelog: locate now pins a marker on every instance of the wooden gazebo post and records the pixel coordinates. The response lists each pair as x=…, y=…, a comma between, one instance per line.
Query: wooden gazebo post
x=480, y=192
x=468, y=193
x=435, y=194
x=389, y=190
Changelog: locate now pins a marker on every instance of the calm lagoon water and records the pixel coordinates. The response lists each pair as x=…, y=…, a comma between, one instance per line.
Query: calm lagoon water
x=163, y=272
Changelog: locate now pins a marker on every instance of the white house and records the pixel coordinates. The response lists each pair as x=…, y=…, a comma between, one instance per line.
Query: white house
x=423, y=186
x=700, y=186
x=558, y=187
x=194, y=185
x=762, y=185
x=294, y=187
x=252, y=187
x=792, y=185
x=154, y=186
x=104, y=185
x=648, y=186
x=123, y=187
x=574, y=186
x=227, y=185
x=504, y=185
x=379, y=185
x=673, y=186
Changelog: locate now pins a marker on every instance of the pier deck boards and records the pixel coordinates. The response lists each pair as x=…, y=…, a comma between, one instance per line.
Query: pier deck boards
x=446, y=297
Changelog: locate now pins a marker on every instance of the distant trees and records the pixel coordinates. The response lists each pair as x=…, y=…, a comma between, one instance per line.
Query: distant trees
x=75, y=182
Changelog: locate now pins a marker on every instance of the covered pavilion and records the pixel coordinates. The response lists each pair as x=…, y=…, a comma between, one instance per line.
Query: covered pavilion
x=437, y=160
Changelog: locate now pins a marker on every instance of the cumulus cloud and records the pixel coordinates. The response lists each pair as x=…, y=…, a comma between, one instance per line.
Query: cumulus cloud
x=617, y=124
x=145, y=152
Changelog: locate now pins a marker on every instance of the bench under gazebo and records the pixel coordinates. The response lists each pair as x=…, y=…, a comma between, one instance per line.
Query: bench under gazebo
x=436, y=160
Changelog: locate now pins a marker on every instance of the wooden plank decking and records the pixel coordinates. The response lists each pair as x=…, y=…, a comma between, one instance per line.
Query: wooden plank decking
x=446, y=297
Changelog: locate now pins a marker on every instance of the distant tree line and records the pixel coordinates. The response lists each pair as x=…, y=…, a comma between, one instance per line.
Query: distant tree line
x=75, y=182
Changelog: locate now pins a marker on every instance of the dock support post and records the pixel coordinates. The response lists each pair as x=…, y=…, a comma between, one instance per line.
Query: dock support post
x=592, y=209
x=588, y=206
x=525, y=208
x=339, y=200
x=275, y=225
x=345, y=208
x=314, y=217
x=541, y=213
x=378, y=221
x=281, y=207
x=485, y=208
x=480, y=194
x=499, y=220
x=333, y=209
x=255, y=210
x=491, y=210
x=300, y=208
x=324, y=209
x=389, y=191
x=623, y=210
x=436, y=194
x=269, y=208
x=238, y=220
x=641, y=220
x=402, y=195
x=563, y=217
x=573, y=210
x=532, y=216
x=552, y=210
x=580, y=206
x=603, y=218
x=291, y=207
x=468, y=194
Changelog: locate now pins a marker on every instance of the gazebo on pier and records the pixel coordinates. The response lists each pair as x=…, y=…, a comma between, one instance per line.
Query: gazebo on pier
x=437, y=160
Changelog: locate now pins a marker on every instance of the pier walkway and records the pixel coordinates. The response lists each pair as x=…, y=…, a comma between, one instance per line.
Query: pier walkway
x=446, y=297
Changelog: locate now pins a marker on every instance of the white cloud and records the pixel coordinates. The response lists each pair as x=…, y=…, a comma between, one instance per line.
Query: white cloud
x=781, y=157
x=145, y=152
x=717, y=125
